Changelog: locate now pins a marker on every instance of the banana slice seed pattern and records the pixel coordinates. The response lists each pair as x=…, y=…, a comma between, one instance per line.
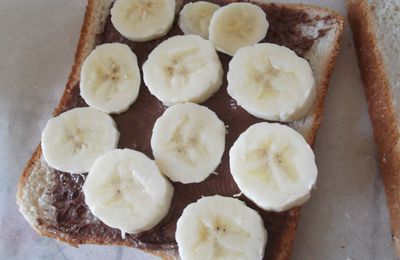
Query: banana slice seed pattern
x=187, y=147
x=274, y=167
x=145, y=8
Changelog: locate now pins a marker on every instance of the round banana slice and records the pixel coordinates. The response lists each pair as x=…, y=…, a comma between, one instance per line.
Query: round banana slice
x=220, y=228
x=271, y=82
x=143, y=20
x=184, y=68
x=188, y=141
x=273, y=166
x=110, y=78
x=195, y=18
x=72, y=141
x=126, y=190
x=237, y=25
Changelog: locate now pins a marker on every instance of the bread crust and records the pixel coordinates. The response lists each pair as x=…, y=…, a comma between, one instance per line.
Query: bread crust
x=380, y=105
x=86, y=44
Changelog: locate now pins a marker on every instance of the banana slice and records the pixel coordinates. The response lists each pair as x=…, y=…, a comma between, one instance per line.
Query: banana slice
x=237, y=25
x=110, y=78
x=126, y=190
x=195, y=18
x=273, y=166
x=188, y=141
x=220, y=228
x=271, y=82
x=143, y=20
x=72, y=141
x=184, y=68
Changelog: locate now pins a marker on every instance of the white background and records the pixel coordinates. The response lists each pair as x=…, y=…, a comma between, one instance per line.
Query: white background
x=346, y=217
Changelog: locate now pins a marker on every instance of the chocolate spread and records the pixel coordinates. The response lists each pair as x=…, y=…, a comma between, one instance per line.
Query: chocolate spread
x=73, y=217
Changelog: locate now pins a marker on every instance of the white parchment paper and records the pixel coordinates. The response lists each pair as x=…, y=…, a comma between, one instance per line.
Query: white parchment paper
x=346, y=217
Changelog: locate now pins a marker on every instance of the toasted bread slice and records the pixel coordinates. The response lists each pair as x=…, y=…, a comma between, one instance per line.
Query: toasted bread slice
x=376, y=30
x=34, y=198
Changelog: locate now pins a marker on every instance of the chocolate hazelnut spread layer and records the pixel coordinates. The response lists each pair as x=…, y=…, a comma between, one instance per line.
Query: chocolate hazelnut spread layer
x=135, y=125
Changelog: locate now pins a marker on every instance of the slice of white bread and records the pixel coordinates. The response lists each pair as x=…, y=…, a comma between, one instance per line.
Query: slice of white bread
x=376, y=30
x=33, y=196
